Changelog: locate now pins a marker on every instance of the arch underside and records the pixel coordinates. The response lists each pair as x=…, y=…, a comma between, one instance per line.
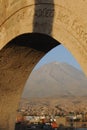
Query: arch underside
x=60, y=20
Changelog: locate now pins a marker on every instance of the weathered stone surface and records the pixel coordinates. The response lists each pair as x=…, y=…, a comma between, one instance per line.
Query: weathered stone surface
x=66, y=21
x=16, y=63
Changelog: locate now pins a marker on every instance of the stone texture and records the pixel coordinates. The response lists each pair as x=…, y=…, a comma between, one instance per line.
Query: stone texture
x=16, y=63
x=65, y=21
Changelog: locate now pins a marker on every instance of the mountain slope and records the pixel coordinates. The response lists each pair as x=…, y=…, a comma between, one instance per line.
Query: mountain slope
x=54, y=80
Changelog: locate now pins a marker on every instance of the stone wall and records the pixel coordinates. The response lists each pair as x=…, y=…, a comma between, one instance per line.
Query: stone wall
x=65, y=21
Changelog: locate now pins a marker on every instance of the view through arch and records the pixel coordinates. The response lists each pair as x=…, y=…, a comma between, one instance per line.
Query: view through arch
x=18, y=17
x=55, y=94
x=17, y=60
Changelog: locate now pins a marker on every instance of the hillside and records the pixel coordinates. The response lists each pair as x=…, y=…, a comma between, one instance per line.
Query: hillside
x=56, y=80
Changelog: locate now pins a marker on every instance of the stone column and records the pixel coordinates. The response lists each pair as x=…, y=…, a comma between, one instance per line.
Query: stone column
x=16, y=63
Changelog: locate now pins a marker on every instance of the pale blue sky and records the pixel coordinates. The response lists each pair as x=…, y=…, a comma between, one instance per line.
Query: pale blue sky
x=58, y=54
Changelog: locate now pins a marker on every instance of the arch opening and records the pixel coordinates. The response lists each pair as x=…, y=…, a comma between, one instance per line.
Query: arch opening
x=51, y=93
x=17, y=60
x=19, y=17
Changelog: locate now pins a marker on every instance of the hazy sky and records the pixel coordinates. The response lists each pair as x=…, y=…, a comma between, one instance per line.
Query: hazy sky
x=58, y=54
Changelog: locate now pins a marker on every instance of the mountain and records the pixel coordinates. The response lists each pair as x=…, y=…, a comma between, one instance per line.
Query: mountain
x=56, y=80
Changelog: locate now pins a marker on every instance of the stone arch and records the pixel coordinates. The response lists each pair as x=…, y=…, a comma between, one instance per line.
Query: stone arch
x=50, y=17
x=68, y=26
x=17, y=60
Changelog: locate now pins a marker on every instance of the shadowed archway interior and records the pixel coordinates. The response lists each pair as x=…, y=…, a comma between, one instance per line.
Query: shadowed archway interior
x=37, y=41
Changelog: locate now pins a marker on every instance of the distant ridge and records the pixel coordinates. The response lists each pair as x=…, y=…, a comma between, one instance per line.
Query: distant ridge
x=56, y=80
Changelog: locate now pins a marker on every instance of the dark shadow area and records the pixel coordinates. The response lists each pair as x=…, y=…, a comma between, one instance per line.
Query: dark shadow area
x=40, y=42
x=40, y=39
x=43, y=16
